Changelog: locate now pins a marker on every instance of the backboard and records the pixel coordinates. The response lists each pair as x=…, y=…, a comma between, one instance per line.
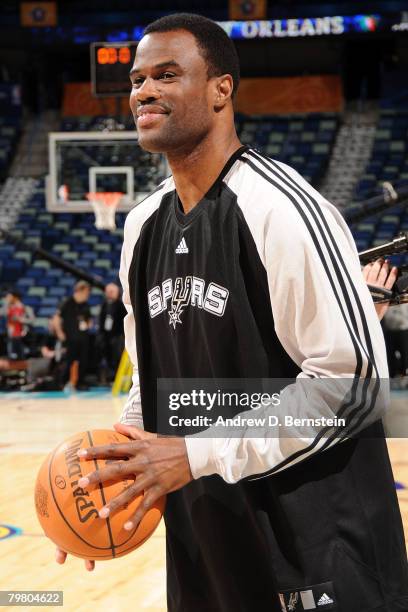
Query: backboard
x=83, y=162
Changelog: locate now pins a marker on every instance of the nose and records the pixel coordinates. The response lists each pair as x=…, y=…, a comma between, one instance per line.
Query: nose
x=147, y=91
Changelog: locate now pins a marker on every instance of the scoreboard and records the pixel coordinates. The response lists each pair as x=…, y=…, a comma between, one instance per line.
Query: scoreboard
x=110, y=67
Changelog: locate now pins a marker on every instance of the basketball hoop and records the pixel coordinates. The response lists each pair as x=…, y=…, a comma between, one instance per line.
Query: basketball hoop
x=105, y=205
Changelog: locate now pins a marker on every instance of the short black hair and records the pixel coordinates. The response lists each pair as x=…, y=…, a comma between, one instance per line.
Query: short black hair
x=15, y=293
x=80, y=285
x=217, y=48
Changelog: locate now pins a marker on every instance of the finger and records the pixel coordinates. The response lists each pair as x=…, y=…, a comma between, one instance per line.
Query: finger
x=107, y=451
x=89, y=565
x=60, y=556
x=149, y=498
x=375, y=270
x=118, y=470
x=129, y=430
x=366, y=271
x=383, y=274
x=392, y=277
x=133, y=432
x=131, y=492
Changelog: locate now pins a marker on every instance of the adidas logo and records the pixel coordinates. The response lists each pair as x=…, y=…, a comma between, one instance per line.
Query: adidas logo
x=182, y=247
x=325, y=600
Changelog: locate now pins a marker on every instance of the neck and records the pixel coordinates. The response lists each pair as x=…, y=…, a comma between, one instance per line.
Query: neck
x=194, y=172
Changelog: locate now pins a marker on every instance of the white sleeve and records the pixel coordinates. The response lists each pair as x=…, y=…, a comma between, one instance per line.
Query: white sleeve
x=325, y=320
x=132, y=410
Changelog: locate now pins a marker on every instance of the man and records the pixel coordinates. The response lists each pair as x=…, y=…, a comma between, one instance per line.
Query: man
x=110, y=339
x=44, y=372
x=236, y=268
x=17, y=317
x=72, y=325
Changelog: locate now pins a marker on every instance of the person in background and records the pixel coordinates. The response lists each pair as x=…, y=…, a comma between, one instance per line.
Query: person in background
x=380, y=274
x=72, y=325
x=14, y=311
x=396, y=339
x=43, y=372
x=52, y=350
x=110, y=341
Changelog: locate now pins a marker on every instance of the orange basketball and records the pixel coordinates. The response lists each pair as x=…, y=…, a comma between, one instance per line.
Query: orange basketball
x=69, y=514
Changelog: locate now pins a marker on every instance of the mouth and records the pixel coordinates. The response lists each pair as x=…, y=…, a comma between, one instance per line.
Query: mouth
x=149, y=115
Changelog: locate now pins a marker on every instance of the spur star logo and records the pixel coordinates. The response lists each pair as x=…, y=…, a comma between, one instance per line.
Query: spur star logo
x=174, y=315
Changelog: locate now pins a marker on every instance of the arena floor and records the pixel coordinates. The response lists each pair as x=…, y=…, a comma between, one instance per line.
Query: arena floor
x=35, y=424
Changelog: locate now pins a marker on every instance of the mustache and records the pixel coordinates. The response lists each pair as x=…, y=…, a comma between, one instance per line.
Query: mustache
x=151, y=106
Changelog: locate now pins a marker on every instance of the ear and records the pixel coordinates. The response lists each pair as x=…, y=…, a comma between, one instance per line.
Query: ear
x=223, y=91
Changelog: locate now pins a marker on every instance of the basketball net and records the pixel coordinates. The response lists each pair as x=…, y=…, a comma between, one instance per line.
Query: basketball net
x=104, y=205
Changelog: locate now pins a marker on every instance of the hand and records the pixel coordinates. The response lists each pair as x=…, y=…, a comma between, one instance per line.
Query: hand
x=160, y=464
x=131, y=432
x=379, y=274
x=61, y=555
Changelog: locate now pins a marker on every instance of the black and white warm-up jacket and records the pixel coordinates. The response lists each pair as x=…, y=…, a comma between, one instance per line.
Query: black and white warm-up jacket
x=301, y=261
x=261, y=281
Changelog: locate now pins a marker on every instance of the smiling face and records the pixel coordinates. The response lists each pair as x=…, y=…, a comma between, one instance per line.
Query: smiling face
x=172, y=96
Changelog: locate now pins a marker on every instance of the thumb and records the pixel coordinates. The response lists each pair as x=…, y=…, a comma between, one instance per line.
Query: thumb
x=60, y=555
x=133, y=432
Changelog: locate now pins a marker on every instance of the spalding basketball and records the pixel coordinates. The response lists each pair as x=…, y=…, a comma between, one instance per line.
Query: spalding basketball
x=69, y=514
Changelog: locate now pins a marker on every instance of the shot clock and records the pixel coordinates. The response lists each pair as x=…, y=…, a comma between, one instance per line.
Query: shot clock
x=110, y=67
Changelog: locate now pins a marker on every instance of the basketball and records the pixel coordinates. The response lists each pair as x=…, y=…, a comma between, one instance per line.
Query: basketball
x=69, y=514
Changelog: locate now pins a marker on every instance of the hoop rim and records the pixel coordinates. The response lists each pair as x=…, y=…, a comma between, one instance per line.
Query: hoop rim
x=104, y=204
x=104, y=198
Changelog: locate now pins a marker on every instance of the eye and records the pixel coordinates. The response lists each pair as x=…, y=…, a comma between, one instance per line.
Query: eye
x=164, y=76
x=137, y=82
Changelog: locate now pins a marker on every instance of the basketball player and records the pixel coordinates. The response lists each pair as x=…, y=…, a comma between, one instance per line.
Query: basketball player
x=235, y=267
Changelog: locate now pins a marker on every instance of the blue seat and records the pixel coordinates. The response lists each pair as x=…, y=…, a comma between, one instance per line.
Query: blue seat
x=54, y=273
x=385, y=235
x=67, y=282
x=46, y=281
x=49, y=301
x=46, y=311
x=25, y=282
x=362, y=244
x=58, y=292
x=32, y=300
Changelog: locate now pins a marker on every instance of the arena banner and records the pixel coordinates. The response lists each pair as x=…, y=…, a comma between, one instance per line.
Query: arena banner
x=79, y=101
x=303, y=27
x=247, y=9
x=296, y=27
x=38, y=14
x=309, y=94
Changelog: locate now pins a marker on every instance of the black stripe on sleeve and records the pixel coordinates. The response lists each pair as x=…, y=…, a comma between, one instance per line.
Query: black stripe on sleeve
x=359, y=359
x=280, y=173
